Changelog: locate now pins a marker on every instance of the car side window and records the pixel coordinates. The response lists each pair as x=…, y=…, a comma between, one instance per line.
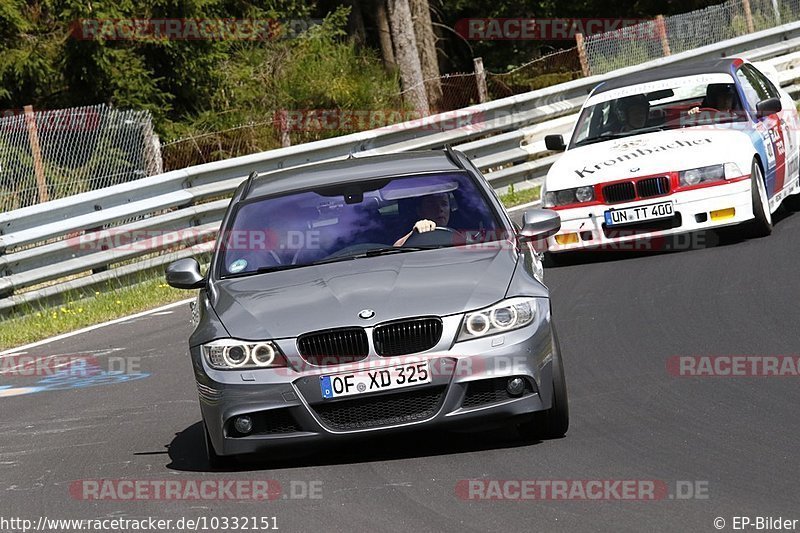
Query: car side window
x=763, y=81
x=753, y=92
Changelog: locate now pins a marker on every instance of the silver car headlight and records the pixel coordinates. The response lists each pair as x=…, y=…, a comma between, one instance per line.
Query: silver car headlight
x=507, y=315
x=233, y=354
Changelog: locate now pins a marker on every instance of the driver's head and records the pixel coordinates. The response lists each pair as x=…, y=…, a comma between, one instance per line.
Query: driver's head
x=435, y=207
x=636, y=109
x=720, y=96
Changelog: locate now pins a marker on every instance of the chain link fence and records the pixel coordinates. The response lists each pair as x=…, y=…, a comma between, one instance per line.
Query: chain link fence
x=45, y=155
x=550, y=69
x=664, y=36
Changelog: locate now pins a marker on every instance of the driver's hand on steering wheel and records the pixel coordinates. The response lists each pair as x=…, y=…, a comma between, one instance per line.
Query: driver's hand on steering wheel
x=424, y=225
x=693, y=110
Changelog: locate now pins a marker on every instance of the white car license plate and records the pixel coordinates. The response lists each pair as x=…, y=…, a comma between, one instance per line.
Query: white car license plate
x=615, y=217
x=379, y=379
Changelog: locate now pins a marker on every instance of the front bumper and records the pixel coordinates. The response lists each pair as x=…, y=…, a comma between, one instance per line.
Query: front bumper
x=692, y=213
x=468, y=387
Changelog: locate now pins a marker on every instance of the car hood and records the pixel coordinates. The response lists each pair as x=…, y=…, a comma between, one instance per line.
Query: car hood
x=643, y=155
x=435, y=282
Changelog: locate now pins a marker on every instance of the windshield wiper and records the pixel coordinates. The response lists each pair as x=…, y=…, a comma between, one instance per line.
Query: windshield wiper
x=620, y=135
x=592, y=140
x=395, y=250
x=369, y=253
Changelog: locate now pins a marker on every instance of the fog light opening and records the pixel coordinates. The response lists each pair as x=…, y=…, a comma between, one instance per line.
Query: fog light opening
x=567, y=238
x=722, y=214
x=243, y=424
x=515, y=386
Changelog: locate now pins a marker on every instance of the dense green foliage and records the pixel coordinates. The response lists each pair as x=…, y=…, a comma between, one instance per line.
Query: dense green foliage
x=188, y=85
x=198, y=86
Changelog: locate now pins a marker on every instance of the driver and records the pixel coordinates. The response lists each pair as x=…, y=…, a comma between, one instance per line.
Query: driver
x=719, y=96
x=433, y=210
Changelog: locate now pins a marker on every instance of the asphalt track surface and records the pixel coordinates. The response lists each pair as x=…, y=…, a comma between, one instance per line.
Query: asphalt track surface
x=620, y=317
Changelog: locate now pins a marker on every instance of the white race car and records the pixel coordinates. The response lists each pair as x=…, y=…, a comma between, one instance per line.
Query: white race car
x=674, y=150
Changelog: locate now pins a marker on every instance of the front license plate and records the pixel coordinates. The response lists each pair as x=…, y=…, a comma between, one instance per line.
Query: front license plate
x=379, y=379
x=631, y=215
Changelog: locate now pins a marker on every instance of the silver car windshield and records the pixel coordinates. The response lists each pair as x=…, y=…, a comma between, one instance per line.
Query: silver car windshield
x=354, y=220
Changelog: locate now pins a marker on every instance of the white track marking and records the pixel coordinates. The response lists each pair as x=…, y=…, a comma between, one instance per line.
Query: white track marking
x=94, y=327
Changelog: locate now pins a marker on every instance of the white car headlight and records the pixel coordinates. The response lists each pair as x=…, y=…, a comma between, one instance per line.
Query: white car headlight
x=696, y=176
x=233, y=354
x=578, y=195
x=507, y=315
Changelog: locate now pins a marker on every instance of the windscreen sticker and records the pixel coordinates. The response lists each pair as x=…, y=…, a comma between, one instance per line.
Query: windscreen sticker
x=659, y=85
x=237, y=266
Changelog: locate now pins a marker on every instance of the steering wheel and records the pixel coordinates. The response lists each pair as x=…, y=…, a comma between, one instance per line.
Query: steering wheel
x=440, y=235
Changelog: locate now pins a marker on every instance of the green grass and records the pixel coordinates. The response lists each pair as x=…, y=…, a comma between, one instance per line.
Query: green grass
x=514, y=197
x=33, y=324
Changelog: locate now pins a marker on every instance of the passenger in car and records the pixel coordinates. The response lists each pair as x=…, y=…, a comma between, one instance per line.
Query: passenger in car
x=635, y=110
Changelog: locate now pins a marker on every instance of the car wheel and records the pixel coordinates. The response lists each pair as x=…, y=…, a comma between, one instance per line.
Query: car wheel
x=761, y=225
x=554, y=422
x=215, y=461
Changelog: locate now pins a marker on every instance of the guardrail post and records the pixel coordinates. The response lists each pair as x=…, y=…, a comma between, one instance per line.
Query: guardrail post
x=748, y=16
x=582, y=55
x=480, y=80
x=36, y=152
x=661, y=28
x=777, y=11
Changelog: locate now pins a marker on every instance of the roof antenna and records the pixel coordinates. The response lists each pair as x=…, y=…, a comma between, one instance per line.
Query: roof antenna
x=451, y=155
x=253, y=175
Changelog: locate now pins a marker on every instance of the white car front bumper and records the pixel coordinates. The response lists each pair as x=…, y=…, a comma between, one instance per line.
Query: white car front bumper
x=694, y=210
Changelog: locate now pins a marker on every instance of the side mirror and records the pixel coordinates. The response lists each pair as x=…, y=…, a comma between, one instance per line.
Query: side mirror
x=184, y=274
x=555, y=143
x=540, y=223
x=768, y=107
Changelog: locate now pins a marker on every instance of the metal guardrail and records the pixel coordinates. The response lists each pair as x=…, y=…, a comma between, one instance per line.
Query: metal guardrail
x=58, y=247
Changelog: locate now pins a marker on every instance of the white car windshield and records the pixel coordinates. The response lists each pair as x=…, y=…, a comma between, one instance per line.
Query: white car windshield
x=667, y=104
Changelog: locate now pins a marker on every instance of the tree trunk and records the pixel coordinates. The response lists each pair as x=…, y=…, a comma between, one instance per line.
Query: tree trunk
x=384, y=33
x=407, y=54
x=355, y=22
x=426, y=44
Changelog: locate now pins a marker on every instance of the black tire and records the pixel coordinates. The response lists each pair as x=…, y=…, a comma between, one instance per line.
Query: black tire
x=761, y=225
x=216, y=462
x=554, y=422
